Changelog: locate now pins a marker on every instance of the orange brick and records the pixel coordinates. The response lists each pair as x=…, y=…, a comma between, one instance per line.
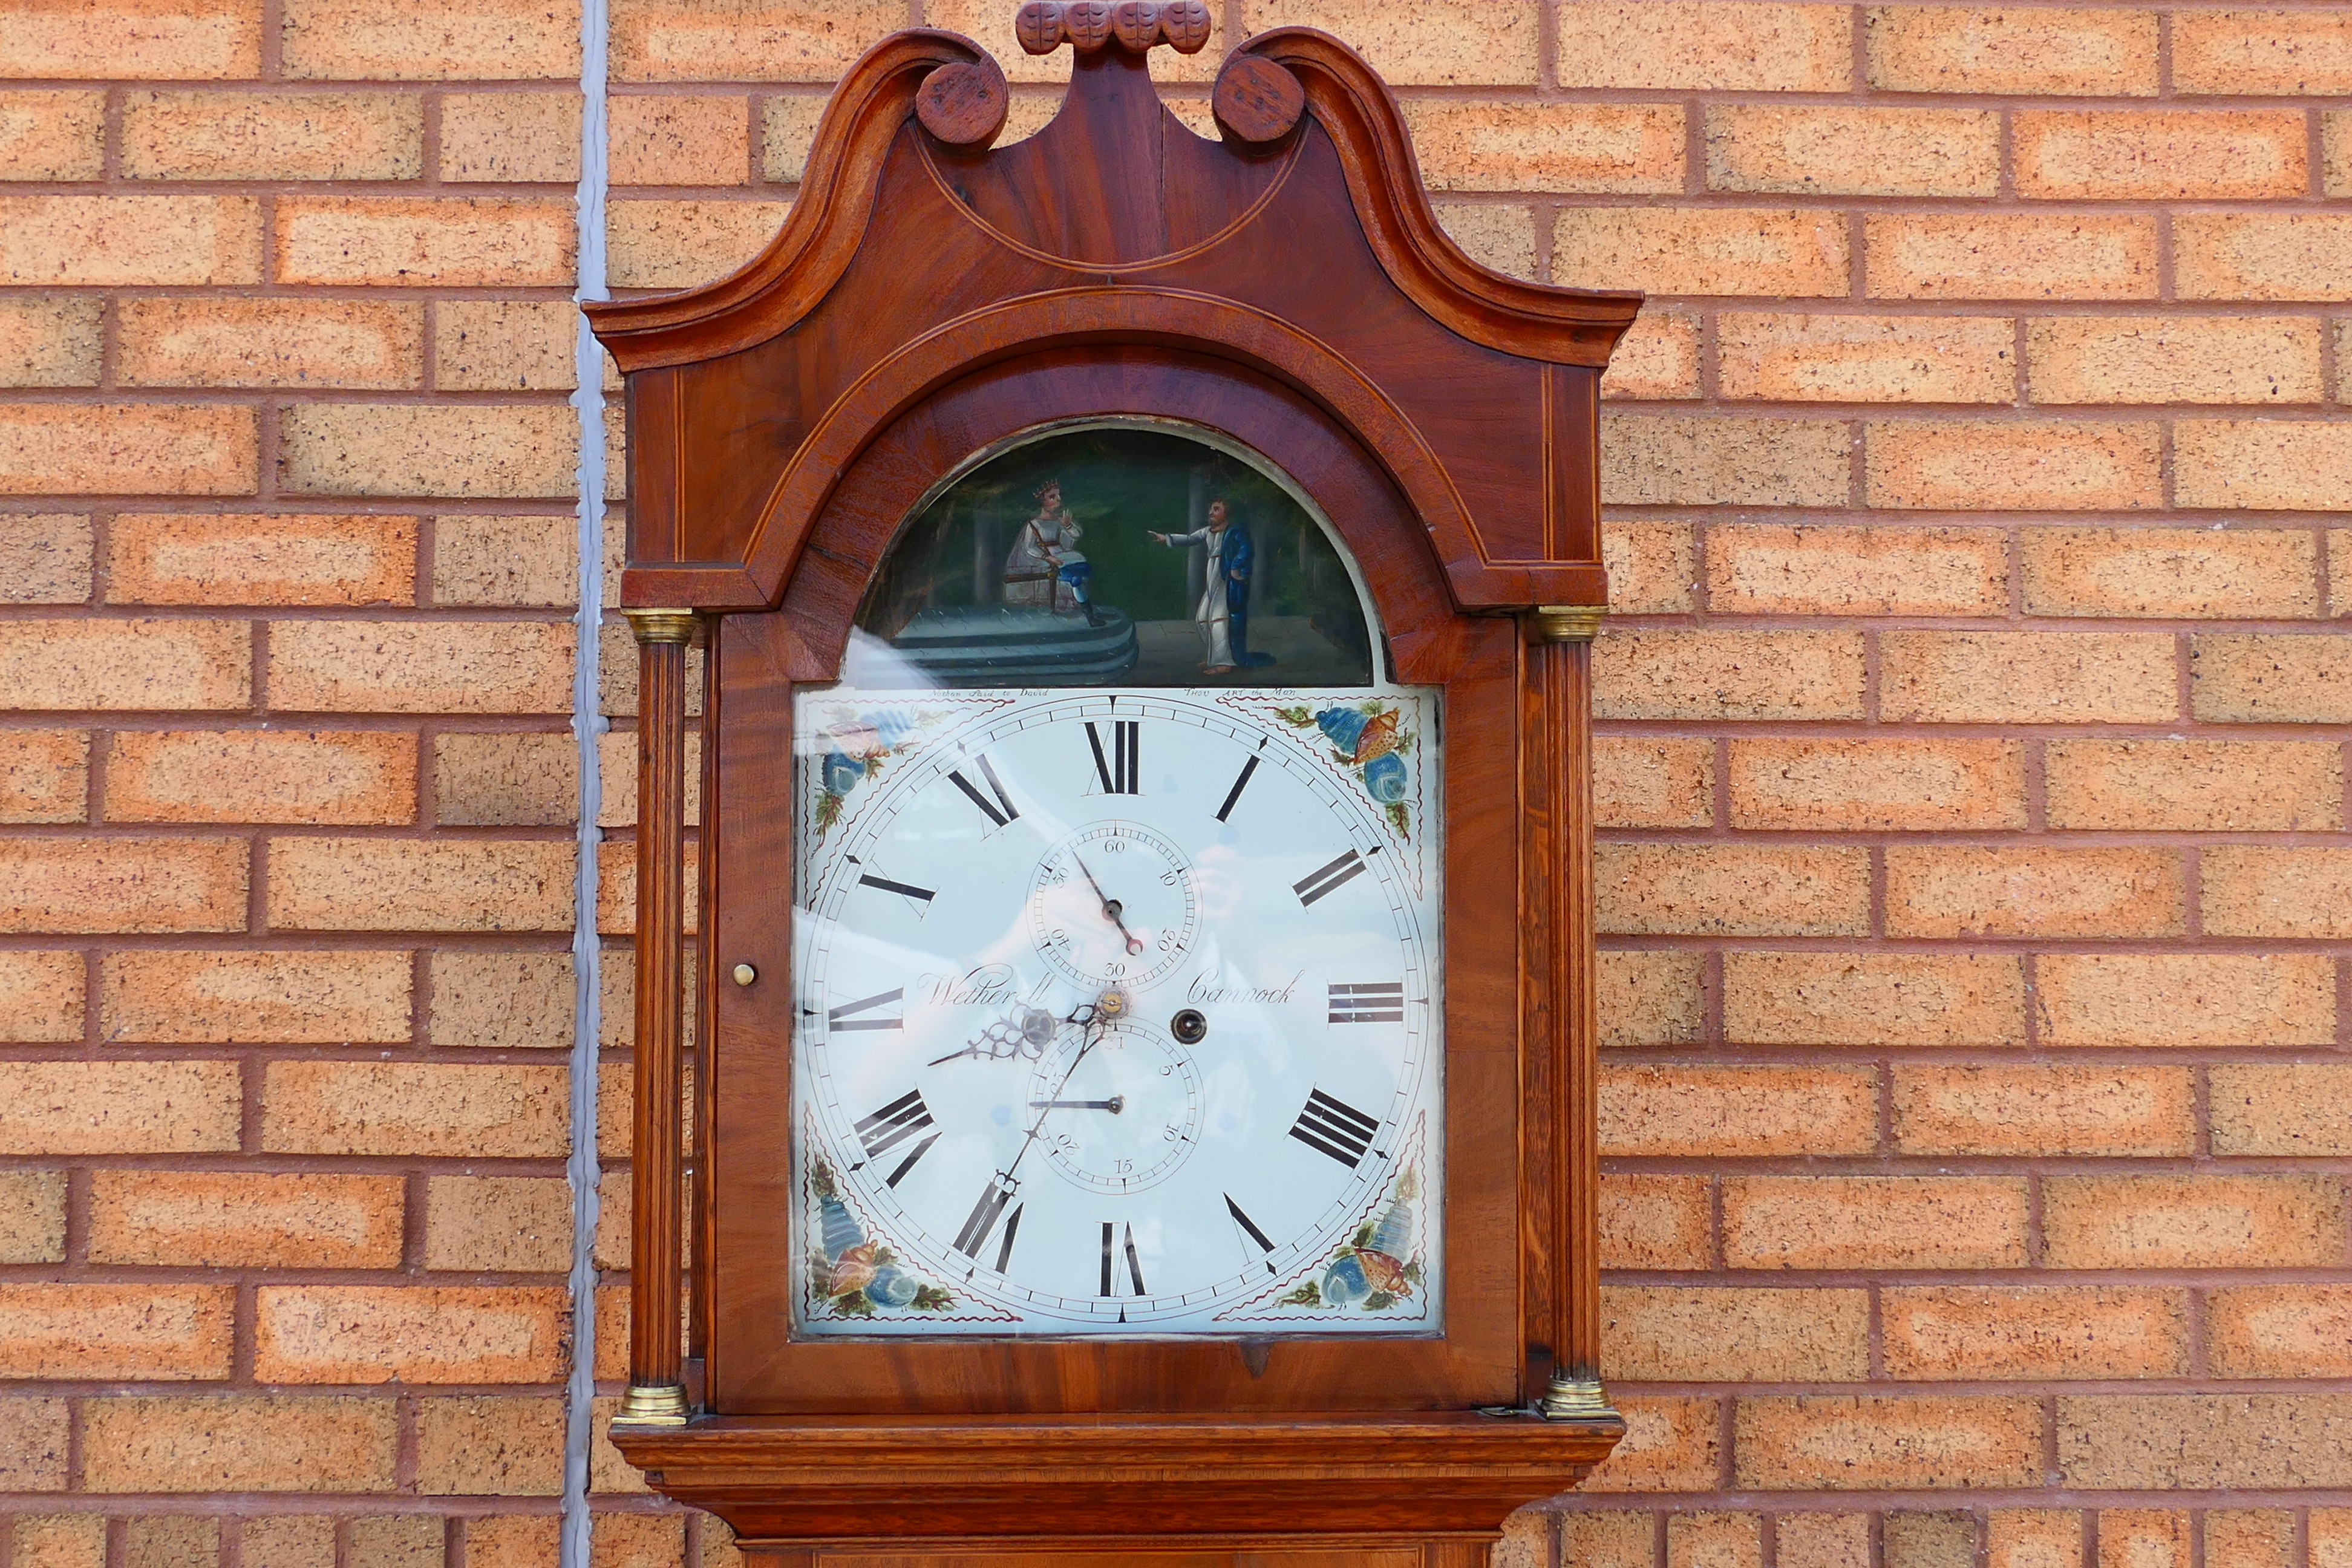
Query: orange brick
x=259, y=775
x=409, y=1334
x=159, y=558
x=2249, y=1538
x=1882, y=1442
x=2336, y=152
x=118, y=1108
x=2033, y=1538
x=510, y=138
x=61, y=1540
x=1647, y=460
x=2034, y=1108
x=2251, y=573
x=2009, y=255
x=44, y=558
x=1957, y=49
x=404, y=667
x=273, y=136
x=49, y=340
x=1702, y=250
x=2262, y=463
x=239, y=1443
x=501, y=999
x=1695, y=46
x=498, y=452
x=1768, y=568
x=517, y=561
x=53, y=135
x=1500, y=236
x=1648, y=998
x=109, y=241
x=286, y=1541
x=243, y=1219
x=1657, y=359
x=2281, y=1108
x=2143, y=154
x=1873, y=999
x=1647, y=1222
x=2027, y=677
x=2260, y=1441
x=2279, y=1331
x=33, y=1444
x=1671, y=1444
x=499, y=1446
x=505, y=345
x=1721, y=1111
x=2201, y=1221
x=277, y=998
x=501, y=1225
x=2195, y=785
x=1650, y=566
x=2289, y=49
x=431, y=40
x=147, y=885
x=1646, y=780
x=637, y=1540
x=2263, y=256
x=415, y=1107
x=612, y=1354
x=1678, y=673
x=1821, y=1540
x=1968, y=1332
x=145, y=1331
x=2214, y=1001
x=1715, y=1539
x=2038, y=465
x=2261, y=891
x=45, y=776
x=271, y=342
x=2143, y=1538
x=1837, y=786
x=1839, y=150
x=513, y=1540
x=700, y=140
x=40, y=997
x=2267, y=680
x=518, y=779
x=2179, y=359
x=408, y=241
x=1464, y=144
x=1873, y=1222
x=788, y=129
x=133, y=39
x=384, y=884
x=678, y=244
x=1732, y=890
x=759, y=40
x=1869, y=359
x=1951, y=890
x=126, y=448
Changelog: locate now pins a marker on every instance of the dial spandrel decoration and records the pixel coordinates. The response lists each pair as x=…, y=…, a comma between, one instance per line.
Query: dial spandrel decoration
x=1118, y=959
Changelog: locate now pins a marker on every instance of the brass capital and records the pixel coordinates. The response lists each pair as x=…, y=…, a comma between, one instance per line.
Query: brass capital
x=662, y=626
x=1566, y=623
x=662, y=1404
x=1577, y=1399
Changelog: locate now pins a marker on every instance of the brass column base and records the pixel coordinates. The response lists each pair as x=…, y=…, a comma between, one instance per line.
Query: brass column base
x=1577, y=1399
x=659, y=1405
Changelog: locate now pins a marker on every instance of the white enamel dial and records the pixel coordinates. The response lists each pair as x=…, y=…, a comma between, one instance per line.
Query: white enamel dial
x=1118, y=1013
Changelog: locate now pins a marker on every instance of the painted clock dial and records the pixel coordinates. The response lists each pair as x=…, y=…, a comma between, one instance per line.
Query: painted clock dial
x=1118, y=1012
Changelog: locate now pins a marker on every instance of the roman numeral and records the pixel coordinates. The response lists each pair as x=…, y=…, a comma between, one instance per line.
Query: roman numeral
x=1235, y=793
x=1346, y=868
x=893, y=1125
x=1334, y=1127
x=887, y=886
x=1249, y=1227
x=1125, y=1234
x=1380, y=1003
x=1122, y=772
x=984, y=1215
x=1004, y=801
x=844, y=1017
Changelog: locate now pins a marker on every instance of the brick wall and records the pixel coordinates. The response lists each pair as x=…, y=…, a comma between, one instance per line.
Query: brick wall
x=1972, y=778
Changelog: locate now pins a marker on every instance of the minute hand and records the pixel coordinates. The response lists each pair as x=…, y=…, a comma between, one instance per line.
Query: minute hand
x=1110, y=907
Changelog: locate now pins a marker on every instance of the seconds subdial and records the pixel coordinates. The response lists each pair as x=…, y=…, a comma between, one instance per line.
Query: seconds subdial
x=1116, y=1112
x=1113, y=904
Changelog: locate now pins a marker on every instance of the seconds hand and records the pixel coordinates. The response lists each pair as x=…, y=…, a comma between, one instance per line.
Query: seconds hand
x=1110, y=907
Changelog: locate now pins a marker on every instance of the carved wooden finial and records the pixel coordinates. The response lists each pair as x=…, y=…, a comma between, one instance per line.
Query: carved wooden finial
x=1044, y=25
x=1257, y=101
x=964, y=102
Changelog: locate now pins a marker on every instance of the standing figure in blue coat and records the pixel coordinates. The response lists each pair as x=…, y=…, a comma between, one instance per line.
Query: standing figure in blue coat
x=1222, y=614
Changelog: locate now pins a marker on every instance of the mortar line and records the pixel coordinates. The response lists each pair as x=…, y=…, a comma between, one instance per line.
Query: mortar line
x=587, y=725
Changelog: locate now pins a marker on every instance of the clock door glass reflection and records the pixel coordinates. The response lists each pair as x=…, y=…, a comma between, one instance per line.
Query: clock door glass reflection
x=1118, y=948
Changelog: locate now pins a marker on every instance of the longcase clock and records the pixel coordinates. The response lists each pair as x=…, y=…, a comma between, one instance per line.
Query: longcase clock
x=1144, y=1075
